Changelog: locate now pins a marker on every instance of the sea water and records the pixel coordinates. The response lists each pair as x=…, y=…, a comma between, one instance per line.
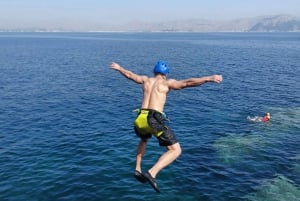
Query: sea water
x=66, y=119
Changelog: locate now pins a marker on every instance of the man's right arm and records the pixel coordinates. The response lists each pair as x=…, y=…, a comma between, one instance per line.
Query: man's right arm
x=193, y=82
x=128, y=74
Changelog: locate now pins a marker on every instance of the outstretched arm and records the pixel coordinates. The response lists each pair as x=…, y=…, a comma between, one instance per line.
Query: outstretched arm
x=128, y=74
x=193, y=82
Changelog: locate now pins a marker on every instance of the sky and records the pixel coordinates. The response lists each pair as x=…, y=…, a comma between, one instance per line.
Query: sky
x=89, y=13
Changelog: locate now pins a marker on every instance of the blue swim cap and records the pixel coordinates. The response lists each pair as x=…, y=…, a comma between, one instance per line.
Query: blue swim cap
x=161, y=67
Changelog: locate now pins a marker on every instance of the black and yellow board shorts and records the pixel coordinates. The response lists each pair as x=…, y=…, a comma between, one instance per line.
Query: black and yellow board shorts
x=151, y=122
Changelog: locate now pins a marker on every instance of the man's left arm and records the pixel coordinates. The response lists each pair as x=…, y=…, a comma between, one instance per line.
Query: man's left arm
x=128, y=74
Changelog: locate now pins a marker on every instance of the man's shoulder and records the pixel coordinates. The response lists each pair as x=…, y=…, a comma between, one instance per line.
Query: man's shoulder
x=145, y=77
x=171, y=80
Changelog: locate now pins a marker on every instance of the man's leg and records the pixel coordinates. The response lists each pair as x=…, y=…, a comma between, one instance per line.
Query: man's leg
x=140, y=153
x=168, y=157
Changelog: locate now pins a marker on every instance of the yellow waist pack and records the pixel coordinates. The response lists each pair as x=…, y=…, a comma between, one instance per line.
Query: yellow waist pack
x=142, y=126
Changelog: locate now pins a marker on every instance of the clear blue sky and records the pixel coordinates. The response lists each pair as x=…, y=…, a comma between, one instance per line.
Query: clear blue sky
x=80, y=13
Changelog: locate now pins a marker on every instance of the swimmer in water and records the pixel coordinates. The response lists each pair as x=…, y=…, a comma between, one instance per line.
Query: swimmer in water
x=265, y=118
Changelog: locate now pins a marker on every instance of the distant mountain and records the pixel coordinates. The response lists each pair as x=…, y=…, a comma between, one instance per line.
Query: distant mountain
x=277, y=23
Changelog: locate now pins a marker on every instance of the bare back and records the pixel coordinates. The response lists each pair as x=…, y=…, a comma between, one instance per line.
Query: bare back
x=155, y=90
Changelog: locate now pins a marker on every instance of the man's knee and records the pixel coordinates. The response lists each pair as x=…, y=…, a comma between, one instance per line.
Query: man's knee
x=176, y=148
x=179, y=151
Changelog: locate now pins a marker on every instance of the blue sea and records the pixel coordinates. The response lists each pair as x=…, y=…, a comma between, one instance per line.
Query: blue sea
x=66, y=119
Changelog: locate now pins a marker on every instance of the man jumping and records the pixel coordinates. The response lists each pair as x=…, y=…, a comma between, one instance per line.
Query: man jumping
x=150, y=119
